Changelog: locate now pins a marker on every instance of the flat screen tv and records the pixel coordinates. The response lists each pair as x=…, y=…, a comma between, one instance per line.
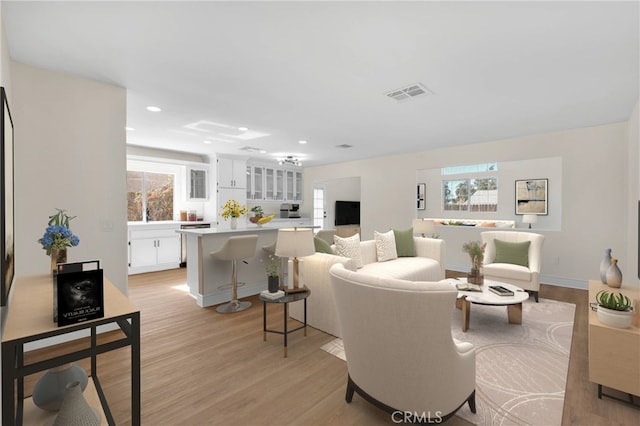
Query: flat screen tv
x=347, y=213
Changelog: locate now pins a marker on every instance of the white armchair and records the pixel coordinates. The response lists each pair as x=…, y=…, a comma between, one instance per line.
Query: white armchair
x=400, y=353
x=525, y=275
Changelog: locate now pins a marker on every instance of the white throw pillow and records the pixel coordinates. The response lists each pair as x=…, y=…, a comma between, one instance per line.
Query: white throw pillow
x=385, y=245
x=349, y=247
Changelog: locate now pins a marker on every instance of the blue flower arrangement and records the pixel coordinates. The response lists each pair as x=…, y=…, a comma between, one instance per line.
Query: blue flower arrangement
x=57, y=234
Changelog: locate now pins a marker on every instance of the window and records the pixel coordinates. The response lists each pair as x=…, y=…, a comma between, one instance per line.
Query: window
x=476, y=194
x=470, y=168
x=149, y=196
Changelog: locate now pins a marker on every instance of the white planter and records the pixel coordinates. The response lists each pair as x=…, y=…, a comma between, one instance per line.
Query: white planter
x=618, y=319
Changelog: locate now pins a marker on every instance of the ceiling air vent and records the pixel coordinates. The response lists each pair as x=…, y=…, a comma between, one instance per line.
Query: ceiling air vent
x=250, y=149
x=344, y=145
x=409, y=92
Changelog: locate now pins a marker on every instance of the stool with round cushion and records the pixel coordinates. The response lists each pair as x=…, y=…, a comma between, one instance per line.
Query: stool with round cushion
x=234, y=249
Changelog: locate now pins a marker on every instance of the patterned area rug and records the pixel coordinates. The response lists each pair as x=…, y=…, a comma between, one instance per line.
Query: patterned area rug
x=521, y=371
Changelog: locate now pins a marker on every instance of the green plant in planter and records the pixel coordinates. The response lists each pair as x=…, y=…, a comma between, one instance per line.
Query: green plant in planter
x=272, y=266
x=613, y=301
x=475, y=250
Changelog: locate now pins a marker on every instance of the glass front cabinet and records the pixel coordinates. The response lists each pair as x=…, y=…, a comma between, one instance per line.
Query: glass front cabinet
x=271, y=184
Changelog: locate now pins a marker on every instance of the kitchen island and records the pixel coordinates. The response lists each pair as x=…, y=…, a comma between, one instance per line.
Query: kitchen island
x=208, y=279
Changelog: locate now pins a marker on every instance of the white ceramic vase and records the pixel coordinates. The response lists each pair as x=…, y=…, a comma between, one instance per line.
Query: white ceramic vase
x=614, y=275
x=234, y=222
x=49, y=390
x=75, y=410
x=604, y=265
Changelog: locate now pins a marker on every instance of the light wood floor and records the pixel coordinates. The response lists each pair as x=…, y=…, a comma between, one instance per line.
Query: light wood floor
x=204, y=368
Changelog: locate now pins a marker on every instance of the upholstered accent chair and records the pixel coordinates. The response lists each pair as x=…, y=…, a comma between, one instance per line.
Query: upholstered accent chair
x=400, y=353
x=326, y=235
x=513, y=257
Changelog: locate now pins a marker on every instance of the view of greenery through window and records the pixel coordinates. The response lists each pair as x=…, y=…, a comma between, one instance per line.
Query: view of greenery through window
x=473, y=193
x=479, y=195
x=150, y=192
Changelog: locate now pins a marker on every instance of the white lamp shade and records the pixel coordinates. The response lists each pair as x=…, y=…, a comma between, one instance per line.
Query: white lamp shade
x=295, y=242
x=422, y=226
x=530, y=218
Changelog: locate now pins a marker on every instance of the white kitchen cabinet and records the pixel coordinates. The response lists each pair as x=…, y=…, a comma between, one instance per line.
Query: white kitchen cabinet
x=232, y=173
x=198, y=184
x=274, y=184
x=255, y=182
x=294, y=185
x=153, y=248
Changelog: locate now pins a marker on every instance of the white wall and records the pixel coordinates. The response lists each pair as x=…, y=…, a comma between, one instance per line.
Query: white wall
x=594, y=188
x=70, y=153
x=506, y=175
x=630, y=268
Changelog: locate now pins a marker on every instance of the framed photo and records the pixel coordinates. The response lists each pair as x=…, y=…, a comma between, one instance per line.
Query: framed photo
x=421, y=191
x=531, y=196
x=7, y=243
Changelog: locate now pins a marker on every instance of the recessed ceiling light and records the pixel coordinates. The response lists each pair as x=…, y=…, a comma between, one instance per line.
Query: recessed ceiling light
x=243, y=129
x=262, y=151
x=153, y=108
x=129, y=128
x=207, y=142
x=302, y=142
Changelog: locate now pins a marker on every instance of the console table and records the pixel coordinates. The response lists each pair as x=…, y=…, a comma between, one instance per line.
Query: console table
x=30, y=319
x=614, y=353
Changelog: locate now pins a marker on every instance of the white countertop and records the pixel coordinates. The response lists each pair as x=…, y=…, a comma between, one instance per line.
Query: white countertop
x=269, y=227
x=169, y=223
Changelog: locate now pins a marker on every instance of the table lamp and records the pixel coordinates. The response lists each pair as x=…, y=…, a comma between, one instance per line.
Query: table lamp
x=423, y=226
x=530, y=218
x=295, y=243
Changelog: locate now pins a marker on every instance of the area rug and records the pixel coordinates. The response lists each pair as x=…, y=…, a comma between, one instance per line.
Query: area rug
x=521, y=370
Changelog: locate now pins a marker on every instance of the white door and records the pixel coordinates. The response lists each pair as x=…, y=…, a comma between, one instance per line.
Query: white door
x=320, y=206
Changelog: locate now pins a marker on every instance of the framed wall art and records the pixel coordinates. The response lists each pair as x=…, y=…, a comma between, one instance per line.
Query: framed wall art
x=531, y=196
x=421, y=190
x=7, y=244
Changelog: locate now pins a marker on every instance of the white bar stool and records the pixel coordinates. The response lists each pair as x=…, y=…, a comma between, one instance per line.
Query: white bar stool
x=234, y=249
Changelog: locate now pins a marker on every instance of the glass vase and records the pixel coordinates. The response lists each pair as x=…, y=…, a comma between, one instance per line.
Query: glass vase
x=58, y=256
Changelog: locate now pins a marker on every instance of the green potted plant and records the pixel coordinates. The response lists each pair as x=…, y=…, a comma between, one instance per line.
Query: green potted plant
x=475, y=250
x=257, y=214
x=614, y=309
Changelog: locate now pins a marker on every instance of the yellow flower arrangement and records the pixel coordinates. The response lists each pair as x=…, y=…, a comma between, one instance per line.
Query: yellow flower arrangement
x=232, y=208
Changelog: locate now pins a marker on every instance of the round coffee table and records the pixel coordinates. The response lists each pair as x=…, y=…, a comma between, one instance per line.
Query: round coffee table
x=487, y=297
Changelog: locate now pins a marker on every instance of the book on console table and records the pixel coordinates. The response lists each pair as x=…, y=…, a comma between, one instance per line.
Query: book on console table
x=276, y=295
x=468, y=287
x=500, y=291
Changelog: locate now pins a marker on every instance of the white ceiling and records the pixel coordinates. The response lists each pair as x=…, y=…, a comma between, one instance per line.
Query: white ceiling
x=319, y=71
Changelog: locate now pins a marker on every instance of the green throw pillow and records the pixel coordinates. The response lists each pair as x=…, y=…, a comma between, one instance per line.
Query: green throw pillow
x=514, y=253
x=404, y=243
x=322, y=246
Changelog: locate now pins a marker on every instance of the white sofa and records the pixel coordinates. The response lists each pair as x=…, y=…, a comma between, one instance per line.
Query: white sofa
x=427, y=265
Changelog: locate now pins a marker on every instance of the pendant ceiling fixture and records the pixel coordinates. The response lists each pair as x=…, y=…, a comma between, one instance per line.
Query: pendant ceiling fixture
x=290, y=160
